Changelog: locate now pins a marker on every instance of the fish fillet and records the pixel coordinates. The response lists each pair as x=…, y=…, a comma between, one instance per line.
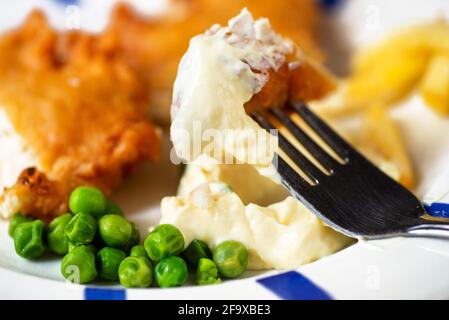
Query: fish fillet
x=78, y=106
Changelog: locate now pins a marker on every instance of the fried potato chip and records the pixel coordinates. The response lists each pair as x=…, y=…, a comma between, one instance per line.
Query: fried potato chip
x=435, y=86
x=387, y=82
x=427, y=38
x=382, y=136
x=389, y=71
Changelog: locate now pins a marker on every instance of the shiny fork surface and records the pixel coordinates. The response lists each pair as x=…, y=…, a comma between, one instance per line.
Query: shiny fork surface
x=354, y=196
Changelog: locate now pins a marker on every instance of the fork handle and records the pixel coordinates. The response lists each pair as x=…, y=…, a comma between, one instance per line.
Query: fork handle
x=429, y=228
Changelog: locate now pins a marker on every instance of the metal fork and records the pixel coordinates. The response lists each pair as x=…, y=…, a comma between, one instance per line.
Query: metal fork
x=354, y=197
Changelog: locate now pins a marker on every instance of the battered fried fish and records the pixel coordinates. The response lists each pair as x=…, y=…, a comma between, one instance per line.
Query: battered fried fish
x=79, y=108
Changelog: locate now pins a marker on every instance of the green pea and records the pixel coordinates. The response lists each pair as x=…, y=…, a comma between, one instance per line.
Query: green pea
x=171, y=272
x=135, y=272
x=17, y=219
x=164, y=241
x=207, y=272
x=113, y=208
x=90, y=246
x=108, y=262
x=56, y=239
x=135, y=238
x=28, y=239
x=196, y=250
x=88, y=200
x=81, y=229
x=78, y=266
x=231, y=258
x=115, y=231
x=138, y=251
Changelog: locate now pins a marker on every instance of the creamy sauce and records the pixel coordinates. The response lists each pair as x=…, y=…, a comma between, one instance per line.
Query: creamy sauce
x=220, y=72
x=280, y=236
x=245, y=180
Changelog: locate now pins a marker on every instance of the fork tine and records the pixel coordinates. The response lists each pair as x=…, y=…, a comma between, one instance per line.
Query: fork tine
x=341, y=147
x=297, y=157
x=318, y=153
x=290, y=178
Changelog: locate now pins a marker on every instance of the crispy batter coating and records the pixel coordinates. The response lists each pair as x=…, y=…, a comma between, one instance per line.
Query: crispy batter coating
x=35, y=195
x=297, y=80
x=80, y=107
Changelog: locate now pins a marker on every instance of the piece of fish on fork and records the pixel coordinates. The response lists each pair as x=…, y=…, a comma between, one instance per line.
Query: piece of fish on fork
x=352, y=195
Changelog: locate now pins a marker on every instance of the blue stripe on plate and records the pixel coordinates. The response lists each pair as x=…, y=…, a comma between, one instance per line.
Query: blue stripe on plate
x=104, y=294
x=438, y=209
x=330, y=4
x=294, y=286
x=67, y=2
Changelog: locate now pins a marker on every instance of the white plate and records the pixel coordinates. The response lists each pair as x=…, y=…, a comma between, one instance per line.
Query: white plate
x=395, y=268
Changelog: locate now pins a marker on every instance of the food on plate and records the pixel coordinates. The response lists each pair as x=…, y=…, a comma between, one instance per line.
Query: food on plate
x=228, y=68
x=135, y=238
x=385, y=73
x=281, y=235
x=113, y=208
x=88, y=200
x=91, y=94
x=154, y=45
x=90, y=246
x=16, y=219
x=136, y=272
x=78, y=266
x=72, y=111
x=231, y=258
x=171, y=272
x=387, y=82
x=382, y=142
x=434, y=87
x=57, y=240
x=115, y=230
x=137, y=66
x=29, y=239
x=164, y=241
x=81, y=229
x=243, y=179
x=196, y=251
x=108, y=262
x=222, y=71
x=138, y=251
x=108, y=246
x=207, y=272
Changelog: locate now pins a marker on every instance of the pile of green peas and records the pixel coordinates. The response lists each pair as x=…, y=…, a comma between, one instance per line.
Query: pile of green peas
x=96, y=241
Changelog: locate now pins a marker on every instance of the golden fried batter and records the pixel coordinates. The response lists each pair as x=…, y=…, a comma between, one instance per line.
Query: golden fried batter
x=297, y=80
x=80, y=107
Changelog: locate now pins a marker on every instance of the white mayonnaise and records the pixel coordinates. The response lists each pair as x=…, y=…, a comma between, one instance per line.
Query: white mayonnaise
x=280, y=236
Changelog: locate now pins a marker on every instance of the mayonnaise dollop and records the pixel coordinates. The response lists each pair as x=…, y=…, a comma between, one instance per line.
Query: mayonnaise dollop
x=280, y=236
x=220, y=72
